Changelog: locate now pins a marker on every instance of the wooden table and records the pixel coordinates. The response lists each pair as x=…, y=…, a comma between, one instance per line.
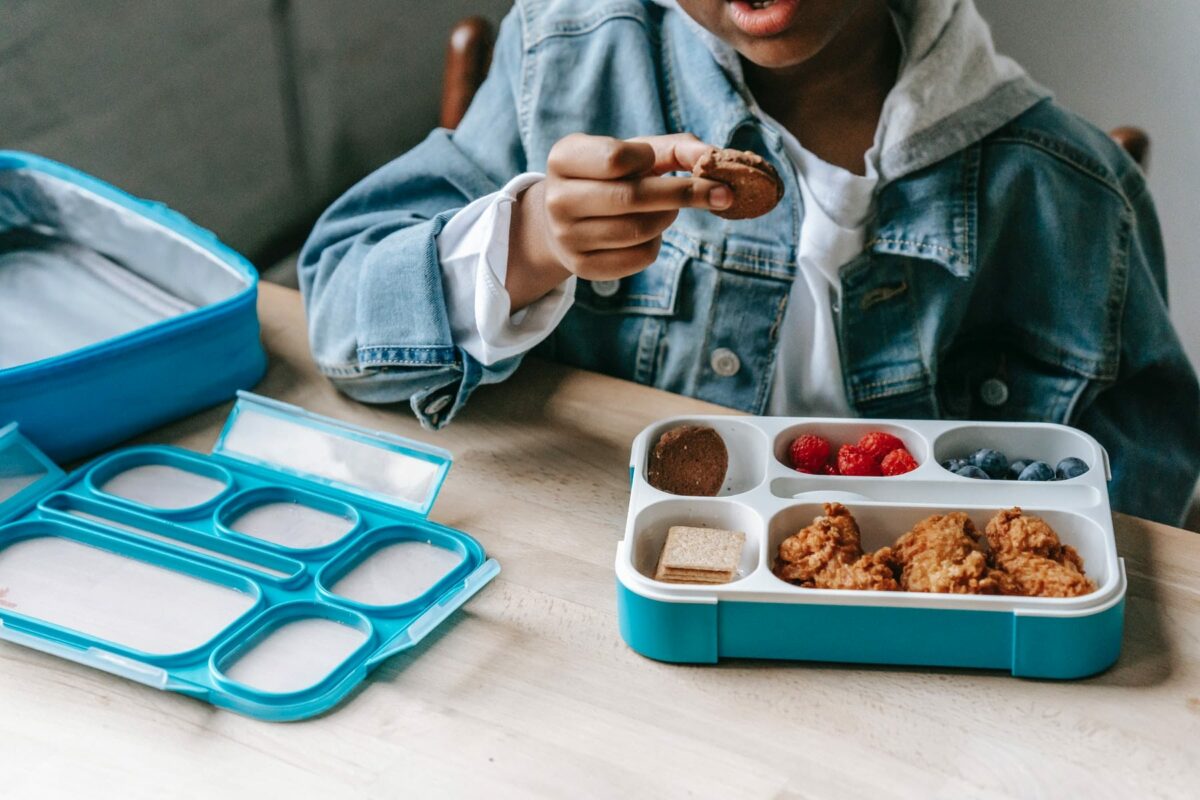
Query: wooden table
x=529, y=691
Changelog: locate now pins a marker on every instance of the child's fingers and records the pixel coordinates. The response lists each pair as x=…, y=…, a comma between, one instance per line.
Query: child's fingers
x=599, y=157
x=579, y=199
x=614, y=233
x=674, y=152
x=610, y=264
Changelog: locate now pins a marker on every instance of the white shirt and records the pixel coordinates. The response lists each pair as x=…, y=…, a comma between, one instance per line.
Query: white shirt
x=473, y=250
x=837, y=205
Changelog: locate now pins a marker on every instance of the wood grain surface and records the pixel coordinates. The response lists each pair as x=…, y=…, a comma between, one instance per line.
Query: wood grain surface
x=529, y=691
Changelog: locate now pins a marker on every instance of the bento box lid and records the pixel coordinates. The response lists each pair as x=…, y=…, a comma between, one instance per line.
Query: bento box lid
x=107, y=567
x=371, y=464
x=25, y=471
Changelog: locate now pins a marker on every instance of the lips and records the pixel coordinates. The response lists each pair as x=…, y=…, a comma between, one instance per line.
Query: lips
x=763, y=18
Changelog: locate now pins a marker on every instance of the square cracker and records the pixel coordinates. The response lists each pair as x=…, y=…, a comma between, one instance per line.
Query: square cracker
x=694, y=576
x=700, y=555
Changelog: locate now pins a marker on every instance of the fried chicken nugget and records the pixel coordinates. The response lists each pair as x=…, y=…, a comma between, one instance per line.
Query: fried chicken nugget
x=1032, y=560
x=828, y=555
x=834, y=536
x=870, y=571
x=1011, y=532
x=943, y=554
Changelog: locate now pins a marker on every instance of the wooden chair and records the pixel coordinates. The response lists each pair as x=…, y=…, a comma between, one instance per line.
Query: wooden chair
x=468, y=56
x=469, y=53
x=1135, y=141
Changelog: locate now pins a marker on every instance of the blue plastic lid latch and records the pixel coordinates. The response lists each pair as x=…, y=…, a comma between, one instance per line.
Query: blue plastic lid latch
x=370, y=464
x=25, y=471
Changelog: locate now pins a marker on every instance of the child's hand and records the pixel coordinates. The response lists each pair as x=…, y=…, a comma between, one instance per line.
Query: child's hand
x=602, y=209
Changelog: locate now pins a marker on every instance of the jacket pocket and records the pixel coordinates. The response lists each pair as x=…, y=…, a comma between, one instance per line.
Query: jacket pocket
x=1004, y=381
x=654, y=291
x=620, y=327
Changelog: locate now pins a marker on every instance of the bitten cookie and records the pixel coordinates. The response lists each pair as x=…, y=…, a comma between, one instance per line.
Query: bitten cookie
x=755, y=183
x=690, y=460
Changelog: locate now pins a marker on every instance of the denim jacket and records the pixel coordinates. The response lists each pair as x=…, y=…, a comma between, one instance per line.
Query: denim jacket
x=1020, y=277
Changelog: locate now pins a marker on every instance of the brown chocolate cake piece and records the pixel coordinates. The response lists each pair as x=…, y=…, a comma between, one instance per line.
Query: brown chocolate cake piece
x=690, y=460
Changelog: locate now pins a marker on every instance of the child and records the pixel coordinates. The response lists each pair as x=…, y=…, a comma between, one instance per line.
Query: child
x=950, y=243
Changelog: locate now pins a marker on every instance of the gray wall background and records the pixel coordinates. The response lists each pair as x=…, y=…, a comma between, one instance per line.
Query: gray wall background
x=1128, y=62
x=248, y=116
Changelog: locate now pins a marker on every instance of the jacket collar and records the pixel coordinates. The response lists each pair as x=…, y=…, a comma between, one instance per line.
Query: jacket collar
x=929, y=214
x=703, y=98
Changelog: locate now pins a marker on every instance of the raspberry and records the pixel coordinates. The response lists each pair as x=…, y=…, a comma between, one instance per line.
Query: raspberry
x=829, y=469
x=898, y=462
x=854, y=461
x=809, y=453
x=878, y=444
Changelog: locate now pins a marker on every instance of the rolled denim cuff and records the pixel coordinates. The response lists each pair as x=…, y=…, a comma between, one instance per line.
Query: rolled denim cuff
x=435, y=406
x=401, y=310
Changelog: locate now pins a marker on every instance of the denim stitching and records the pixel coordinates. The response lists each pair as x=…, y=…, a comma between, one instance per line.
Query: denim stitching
x=1074, y=401
x=1120, y=292
x=647, y=348
x=915, y=319
x=1086, y=166
x=919, y=245
x=764, y=386
x=893, y=381
x=395, y=355
x=1068, y=152
x=664, y=300
x=524, y=97
x=705, y=346
x=741, y=263
x=972, y=160
x=674, y=110
x=344, y=371
x=1084, y=365
x=888, y=389
x=585, y=25
x=703, y=251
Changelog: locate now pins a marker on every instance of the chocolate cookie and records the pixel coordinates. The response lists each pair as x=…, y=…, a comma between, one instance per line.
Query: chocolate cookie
x=755, y=183
x=690, y=459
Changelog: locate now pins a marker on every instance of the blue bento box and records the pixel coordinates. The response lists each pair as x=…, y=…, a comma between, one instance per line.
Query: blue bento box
x=268, y=577
x=116, y=314
x=757, y=615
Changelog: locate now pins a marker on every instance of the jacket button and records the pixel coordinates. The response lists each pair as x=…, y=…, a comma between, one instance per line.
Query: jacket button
x=605, y=288
x=994, y=392
x=725, y=362
x=437, y=405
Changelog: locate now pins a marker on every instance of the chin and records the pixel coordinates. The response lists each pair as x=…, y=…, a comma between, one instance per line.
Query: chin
x=774, y=34
x=776, y=53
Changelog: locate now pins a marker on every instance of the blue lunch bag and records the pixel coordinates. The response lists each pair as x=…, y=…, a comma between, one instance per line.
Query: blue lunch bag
x=116, y=314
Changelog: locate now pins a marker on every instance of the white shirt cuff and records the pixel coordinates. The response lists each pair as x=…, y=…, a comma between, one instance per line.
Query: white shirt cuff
x=473, y=250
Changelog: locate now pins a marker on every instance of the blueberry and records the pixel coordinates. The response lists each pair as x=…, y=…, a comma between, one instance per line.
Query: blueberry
x=1017, y=467
x=1037, y=471
x=993, y=462
x=1070, y=468
x=972, y=471
x=955, y=464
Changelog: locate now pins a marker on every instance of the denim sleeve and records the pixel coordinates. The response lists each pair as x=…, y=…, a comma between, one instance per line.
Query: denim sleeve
x=1149, y=419
x=370, y=275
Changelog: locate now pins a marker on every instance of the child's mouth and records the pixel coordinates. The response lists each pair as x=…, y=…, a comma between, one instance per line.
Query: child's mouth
x=763, y=17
